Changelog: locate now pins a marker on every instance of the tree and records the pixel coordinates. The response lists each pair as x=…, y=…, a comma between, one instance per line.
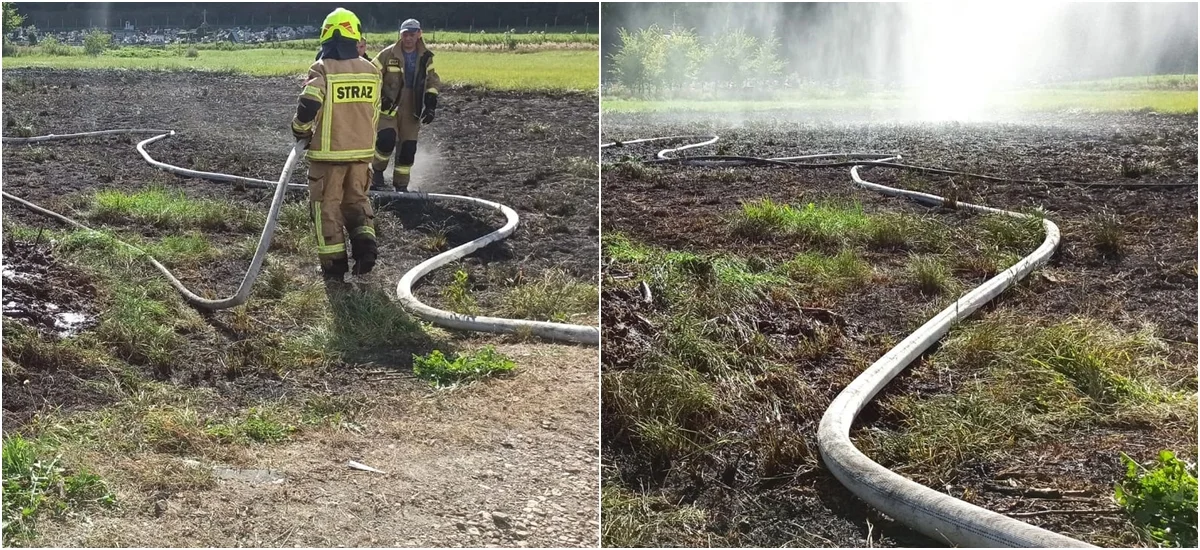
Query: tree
x=96, y=42
x=12, y=19
x=766, y=64
x=728, y=57
x=638, y=61
x=681, y=58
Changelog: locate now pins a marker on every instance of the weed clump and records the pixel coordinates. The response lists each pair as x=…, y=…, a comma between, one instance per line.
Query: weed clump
x=440, y=371
x=556, y=296
x=458, y=294
x=1107, y=234
x=631, y=520
x=930, y=275
x=1160, y=499
x=632, y=170
x=34, y=485
x=1138, y=168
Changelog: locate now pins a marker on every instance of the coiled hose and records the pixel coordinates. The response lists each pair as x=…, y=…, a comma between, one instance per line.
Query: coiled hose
x=552, y=331
x=937, y=515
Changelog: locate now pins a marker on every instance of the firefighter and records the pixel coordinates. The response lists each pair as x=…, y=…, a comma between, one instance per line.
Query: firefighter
x=338, y=108
x=410, y=96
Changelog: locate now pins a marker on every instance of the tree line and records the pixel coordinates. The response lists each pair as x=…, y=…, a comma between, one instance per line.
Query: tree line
x=376, y=16
x=654, y=60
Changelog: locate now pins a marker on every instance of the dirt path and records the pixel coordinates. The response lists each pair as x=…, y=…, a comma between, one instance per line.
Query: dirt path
x=523, y=447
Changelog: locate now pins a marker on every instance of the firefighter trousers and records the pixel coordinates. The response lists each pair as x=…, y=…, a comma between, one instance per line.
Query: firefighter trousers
x=397, y=133
x=337, y=194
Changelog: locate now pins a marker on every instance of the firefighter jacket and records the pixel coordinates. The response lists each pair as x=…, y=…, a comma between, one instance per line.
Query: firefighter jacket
x=348, y=93
x=397, y=98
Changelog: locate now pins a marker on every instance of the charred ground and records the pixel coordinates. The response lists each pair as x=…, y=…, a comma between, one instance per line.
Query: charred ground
x=742, y=467
x=296, y=357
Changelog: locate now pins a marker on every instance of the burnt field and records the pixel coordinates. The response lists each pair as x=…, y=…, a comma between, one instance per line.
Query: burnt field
x=768, y=289
x=108, y=369
x=231, y=124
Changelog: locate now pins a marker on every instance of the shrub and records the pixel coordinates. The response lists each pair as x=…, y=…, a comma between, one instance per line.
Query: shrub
x=96, y=42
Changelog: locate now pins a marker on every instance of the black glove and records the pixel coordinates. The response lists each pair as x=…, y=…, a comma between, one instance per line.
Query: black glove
x=302, y=136
x=430, y=106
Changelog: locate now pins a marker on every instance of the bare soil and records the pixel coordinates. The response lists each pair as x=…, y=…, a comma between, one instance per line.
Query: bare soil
x=1153, y=280
x=524, y=447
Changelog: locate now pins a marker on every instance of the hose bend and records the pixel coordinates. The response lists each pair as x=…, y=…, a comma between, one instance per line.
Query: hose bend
x=935, y=514
x=552, y=331
x=264, y=241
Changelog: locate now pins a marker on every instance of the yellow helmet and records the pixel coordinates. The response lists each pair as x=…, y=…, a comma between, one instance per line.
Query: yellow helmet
x=342, y=21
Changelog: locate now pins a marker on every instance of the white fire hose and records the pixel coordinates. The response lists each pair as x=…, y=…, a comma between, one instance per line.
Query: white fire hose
x=935, y=514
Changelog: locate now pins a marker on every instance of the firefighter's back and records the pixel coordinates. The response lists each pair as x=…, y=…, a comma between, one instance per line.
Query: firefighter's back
x=344, y=130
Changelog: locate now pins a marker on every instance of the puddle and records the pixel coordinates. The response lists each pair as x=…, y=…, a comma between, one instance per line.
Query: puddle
x=52, y=296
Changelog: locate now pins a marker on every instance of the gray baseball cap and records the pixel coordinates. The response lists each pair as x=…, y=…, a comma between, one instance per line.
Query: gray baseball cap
x=410, y=25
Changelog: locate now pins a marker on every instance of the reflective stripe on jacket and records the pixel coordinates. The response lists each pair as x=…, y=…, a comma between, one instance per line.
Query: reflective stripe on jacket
x=349, y=93
x=390, y=63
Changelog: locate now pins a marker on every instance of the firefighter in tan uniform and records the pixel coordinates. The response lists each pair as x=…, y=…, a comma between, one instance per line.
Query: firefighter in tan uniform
x=410, y=95
x=338, y=110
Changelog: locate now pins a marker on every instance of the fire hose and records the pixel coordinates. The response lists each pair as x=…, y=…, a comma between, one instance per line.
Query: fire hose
x=935, y=514
x=552, y=331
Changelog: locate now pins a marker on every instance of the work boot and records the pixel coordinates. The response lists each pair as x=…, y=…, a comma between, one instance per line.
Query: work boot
x=400, y=182
x=377, y=183
x=364, y=255
x=335, y=270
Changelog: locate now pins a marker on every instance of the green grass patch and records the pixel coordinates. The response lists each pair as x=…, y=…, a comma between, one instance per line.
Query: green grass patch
x=1115, y=95
x=1012, y=234
x=1150, y=82
x=817, y=223
x=139, y=322
x=824, y=273
x=1162, y=101
x=37, y=484
x=930, y=275
x=441, y=371
x=901, y=231
x=189, y=249
x=371, y=320
x=544, y=70
x=631, y=520
x=1028, y=381
x=295, y=233
x=1161, y=499
x=173, y=210
x=259, y=425
x=163, y=418
x=632, y=170
x=556, y=296
x=663, y=408
x=701, y=283
x=641, y=106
